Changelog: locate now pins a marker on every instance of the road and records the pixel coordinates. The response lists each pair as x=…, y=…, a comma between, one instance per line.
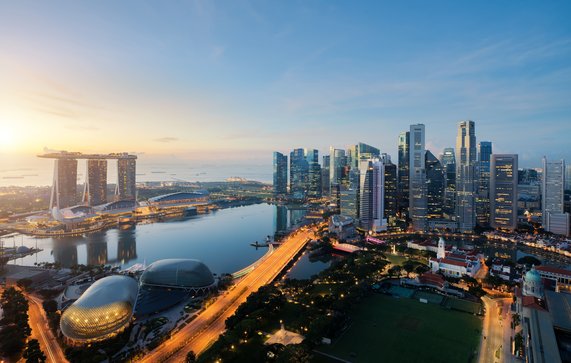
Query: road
x=41, y=331
x=205, y=329
x=496, y=346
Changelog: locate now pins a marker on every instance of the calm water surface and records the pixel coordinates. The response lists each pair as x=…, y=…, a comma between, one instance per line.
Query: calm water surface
x=220, y=239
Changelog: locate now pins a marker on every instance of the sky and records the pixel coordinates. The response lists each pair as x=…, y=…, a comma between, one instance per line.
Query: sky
x=205, y=81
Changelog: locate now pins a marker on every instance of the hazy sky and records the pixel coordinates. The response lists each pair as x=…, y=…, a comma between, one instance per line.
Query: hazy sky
x=208, y=80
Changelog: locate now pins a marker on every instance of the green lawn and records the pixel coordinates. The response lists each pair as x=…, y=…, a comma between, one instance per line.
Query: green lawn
x=385, y=329
x=395, y=259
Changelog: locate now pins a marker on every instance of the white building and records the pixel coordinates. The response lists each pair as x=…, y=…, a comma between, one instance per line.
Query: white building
x=372, y=195
x=456, y=263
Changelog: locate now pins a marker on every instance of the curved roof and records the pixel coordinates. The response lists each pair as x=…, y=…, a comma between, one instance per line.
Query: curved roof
x=179, y=196
x=120, y=204
x=105, y=308
x=178, y=273
x=533, y=276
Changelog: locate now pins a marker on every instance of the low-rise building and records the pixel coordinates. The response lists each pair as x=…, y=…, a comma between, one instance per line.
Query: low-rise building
x=456, y=263
x=342, y=226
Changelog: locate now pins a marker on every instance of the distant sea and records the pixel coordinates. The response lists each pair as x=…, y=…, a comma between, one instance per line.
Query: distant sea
x=32, y=171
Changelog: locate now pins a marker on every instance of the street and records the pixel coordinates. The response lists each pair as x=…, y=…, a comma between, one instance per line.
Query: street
x=205, y=329
x=496, y=331
x=41, y=331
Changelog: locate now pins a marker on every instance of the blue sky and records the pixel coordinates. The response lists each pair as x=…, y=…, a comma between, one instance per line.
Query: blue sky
x=210, y=80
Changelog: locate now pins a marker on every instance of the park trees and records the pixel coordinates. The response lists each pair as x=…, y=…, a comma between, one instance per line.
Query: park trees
x=14, y=327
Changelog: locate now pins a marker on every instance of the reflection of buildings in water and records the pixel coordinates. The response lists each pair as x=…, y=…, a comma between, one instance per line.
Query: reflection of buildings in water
x=126, y=245
x=296, y=216
x=97, y=248
x=65, y=255
x=97, y=253
x=286, y=218
x=280, y=225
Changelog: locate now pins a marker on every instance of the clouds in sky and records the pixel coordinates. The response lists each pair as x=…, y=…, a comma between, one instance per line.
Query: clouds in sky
x=251, y=77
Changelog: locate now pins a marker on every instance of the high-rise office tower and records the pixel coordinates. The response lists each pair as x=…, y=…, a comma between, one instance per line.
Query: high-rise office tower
x=417, y=178
x=298, y=174
x=503, y=191
x=325, y=185
x=314, y=173
x=348, y=203
x=126, y=188
x=568, y=177
x=552, y=202
x=337, y=161
x=365, y=152
x=403, y=172
x=371, y=190
x=483, y=191
x=64, y=189
x=465, y=176
x=434, y=186
x=390, y=190
x=280, y=174
x=95, y=192
x=448, y=160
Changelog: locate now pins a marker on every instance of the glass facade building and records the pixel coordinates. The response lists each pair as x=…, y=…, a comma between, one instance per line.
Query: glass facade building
x=298, y=174
x=95, y=192
x=403, y=171
x=503, y=191
x=552, y=190
x=483, y=176
x=465, y=176
x=417, y=178
x=280, y=174
x=434, y=186
x=126, y=178
x=64, y=188
x=102, y=311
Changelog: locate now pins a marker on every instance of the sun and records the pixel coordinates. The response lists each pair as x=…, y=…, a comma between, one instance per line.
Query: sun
x=7, y=137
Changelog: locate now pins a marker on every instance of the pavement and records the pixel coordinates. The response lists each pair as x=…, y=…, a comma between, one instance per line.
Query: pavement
x=496, y=332
x=199, y=334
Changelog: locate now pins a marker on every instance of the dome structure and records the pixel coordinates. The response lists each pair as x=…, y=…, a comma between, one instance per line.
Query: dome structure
x=103, y=310
x=178, y=273
x=532, y=285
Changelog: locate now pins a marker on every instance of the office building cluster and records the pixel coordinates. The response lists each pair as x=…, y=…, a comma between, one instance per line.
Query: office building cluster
x=466, y=187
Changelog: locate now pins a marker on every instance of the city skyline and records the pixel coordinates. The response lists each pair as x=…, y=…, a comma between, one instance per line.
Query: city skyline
x=203, y=86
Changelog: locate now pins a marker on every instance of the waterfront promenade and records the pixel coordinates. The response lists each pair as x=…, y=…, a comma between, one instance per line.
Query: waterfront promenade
x=205, y=329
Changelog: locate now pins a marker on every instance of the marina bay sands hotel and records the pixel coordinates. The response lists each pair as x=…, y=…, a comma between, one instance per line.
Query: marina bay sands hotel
x=64, y=189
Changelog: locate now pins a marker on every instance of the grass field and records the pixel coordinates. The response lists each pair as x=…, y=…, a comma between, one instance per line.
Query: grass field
x=385, y=329
x=395, y=259
x=463, y=305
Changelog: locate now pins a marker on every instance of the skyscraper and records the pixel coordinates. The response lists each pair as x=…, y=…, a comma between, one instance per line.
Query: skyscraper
x=365, y=152
x=314, y=173
x=483, y=188
x=298, y=174
x=403, y=172
x=434, y=186
x=503, y=191
x=337, y=161
x=552, y=201
x=448, y=160
x=390, y=190
x=325, y=185
x=417, y=177
x=95, y=192
x=465, y=175
x=568, y=177
x=126, y=188
x=371, y=207
x=280, y=174
x=64, y=189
